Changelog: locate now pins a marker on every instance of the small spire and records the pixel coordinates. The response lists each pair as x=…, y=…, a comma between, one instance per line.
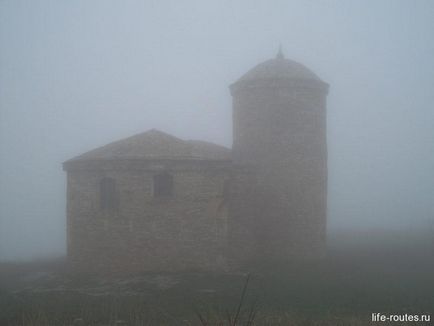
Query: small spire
x=280, y=55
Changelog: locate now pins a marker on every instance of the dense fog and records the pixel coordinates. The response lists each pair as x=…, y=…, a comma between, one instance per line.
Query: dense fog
x=75, y=75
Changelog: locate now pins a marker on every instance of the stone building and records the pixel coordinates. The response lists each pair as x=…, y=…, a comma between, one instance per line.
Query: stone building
x=154, y=202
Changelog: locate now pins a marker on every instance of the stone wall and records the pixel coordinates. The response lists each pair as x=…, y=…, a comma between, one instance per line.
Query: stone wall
x=280, y=129
x=186, y=231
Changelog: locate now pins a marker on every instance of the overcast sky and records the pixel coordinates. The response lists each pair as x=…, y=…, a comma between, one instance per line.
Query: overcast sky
x=75, y=75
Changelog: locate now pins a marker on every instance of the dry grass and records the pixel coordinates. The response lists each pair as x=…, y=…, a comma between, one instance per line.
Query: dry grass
x=384, y=274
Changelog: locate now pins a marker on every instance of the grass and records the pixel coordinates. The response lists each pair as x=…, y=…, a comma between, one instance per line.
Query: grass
x=387, y=273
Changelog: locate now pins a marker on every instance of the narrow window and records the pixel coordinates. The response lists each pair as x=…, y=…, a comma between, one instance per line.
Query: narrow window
x=107, y=191
x=163, y=185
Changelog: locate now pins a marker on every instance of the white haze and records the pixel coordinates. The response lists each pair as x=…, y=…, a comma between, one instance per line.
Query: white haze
x=75, y=75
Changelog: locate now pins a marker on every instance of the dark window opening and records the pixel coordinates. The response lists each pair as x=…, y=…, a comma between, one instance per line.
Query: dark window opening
x=108, y=198
x=163, y=185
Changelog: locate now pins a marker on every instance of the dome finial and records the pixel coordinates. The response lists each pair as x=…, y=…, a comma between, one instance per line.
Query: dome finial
x=280, y=55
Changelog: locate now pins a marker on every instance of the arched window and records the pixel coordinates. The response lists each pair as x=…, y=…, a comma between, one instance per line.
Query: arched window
x=107, y=194
x=163, y=185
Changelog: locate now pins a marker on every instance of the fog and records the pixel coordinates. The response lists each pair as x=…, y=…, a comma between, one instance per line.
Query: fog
x=75, y=75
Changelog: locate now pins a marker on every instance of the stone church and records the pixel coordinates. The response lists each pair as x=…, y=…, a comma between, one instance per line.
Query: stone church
x=154, y=202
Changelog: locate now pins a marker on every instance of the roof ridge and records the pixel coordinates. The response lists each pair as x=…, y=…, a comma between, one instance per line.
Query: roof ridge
x=153, y=144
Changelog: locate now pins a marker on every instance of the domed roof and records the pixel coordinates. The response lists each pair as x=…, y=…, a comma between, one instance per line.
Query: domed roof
x=279, y=68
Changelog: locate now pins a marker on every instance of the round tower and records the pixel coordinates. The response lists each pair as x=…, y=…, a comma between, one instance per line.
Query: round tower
x=279, y=131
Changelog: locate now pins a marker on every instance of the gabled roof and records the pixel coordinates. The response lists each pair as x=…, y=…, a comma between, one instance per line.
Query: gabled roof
x=206, y=150
x=155, y=144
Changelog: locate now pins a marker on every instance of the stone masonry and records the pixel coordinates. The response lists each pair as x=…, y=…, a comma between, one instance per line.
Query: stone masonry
x=154, y=202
